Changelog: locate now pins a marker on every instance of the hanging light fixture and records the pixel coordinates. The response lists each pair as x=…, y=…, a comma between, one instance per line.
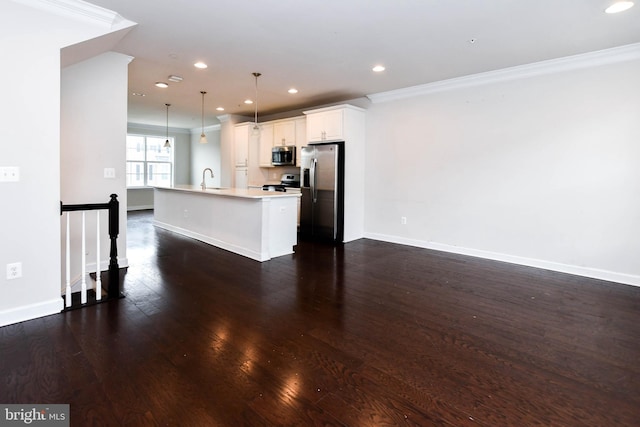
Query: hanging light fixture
x=256, y=128
x=203, y=138
x=167, y=144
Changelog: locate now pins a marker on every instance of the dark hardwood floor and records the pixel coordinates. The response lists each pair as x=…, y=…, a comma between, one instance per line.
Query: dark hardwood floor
x=365, y=334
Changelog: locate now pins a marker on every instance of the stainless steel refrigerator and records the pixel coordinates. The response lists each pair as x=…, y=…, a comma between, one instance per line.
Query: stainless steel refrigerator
x=322, y=188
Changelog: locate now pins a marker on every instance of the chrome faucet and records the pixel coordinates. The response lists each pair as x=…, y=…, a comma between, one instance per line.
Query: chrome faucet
x=203, y=185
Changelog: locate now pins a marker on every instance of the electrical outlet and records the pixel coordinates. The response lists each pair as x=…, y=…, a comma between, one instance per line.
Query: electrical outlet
x=10, y=174
x=403, y=220
x=14, y=270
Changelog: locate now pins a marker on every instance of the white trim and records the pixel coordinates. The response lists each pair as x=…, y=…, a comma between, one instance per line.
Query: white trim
x=141, y=207
x=80, y=10
x=154, y=128
x=334, y=107
x=255, y=255
x=198, y=131
x=31, y=311
x=163, y=129
x=612, y=276
x=587, y=60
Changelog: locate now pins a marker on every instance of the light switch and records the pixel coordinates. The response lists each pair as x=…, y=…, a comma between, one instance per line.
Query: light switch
x=109, y=173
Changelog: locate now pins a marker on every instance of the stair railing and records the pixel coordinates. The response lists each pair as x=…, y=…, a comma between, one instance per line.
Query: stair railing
x=113, y=289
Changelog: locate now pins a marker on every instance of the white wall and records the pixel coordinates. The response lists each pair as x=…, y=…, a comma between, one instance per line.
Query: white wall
x=30, y=41
x=142, y=198
x=539, y=169
x=206, y=156
x=190, y=159
x=93, y=137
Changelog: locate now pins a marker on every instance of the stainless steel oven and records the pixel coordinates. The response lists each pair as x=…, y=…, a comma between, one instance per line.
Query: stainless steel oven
x=288, y=182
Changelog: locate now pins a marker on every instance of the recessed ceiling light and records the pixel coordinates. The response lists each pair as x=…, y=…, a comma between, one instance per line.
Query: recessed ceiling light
x=162, y=84
x=619, y=6
x=378, y=68
x=220, y=109
x=137, y=94
x=293, y=90
x=200, y=65
x=174, y=78
x=248, y=101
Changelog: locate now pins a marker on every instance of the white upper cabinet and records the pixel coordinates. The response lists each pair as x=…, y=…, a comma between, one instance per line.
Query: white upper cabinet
x=266, y=144
x=280, y=132
x=301, y=136
x=241, y=144
x=325, y=125
x=284, y=132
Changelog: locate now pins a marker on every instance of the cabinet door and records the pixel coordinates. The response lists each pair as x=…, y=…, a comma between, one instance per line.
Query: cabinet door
x=315, y=127
x=242, y=178
x=301, y=137
x=325, y=126
x=333, y=128
x=266, y=144
x=284, y=133
x=241, y=145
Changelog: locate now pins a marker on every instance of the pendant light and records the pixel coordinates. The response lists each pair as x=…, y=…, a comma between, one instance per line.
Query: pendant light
x=256, y=128
x=167, y=144
x=203, y=138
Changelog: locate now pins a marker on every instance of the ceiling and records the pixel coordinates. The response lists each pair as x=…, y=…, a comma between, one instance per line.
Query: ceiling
x=326, y=48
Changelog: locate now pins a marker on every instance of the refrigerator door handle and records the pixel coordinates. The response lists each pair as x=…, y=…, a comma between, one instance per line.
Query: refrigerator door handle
x=312, y=179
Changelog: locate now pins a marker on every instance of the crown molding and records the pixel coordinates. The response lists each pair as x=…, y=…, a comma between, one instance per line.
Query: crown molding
x=334, y=107
x=154, y=128
x=198, y=130
x=80, y=10
x=163, y=129
x=587, y=60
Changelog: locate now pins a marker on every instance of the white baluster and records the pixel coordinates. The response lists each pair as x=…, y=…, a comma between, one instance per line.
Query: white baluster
x=67, y=298
x=98, y=278
x=83, y=294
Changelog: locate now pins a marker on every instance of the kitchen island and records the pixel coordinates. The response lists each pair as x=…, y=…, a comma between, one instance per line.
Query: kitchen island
x=254, y=223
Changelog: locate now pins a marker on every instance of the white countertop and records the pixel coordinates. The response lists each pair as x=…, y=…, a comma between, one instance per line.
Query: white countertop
x=246, y=193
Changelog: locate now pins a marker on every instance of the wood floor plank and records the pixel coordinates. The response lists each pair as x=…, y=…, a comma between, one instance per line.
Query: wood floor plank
x=363, y=334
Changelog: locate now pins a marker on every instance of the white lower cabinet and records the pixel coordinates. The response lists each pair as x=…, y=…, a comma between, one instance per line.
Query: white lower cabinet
x=242, y=178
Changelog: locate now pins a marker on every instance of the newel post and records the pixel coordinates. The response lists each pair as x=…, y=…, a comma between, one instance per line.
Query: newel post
x=114, y=230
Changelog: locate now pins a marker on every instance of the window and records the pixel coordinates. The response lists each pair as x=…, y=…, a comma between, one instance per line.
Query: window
x=149, y=163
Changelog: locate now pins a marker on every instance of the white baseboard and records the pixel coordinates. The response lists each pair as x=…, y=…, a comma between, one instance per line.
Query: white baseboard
x=140, y=208
x=594, y=273
x=249, y=253
x=32, y=311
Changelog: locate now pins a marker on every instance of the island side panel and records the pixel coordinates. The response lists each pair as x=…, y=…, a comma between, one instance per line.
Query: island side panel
x=230, y=223
x=280, y=226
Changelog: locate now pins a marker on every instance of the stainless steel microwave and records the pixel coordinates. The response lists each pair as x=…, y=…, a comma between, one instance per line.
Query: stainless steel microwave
x=283, y=155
